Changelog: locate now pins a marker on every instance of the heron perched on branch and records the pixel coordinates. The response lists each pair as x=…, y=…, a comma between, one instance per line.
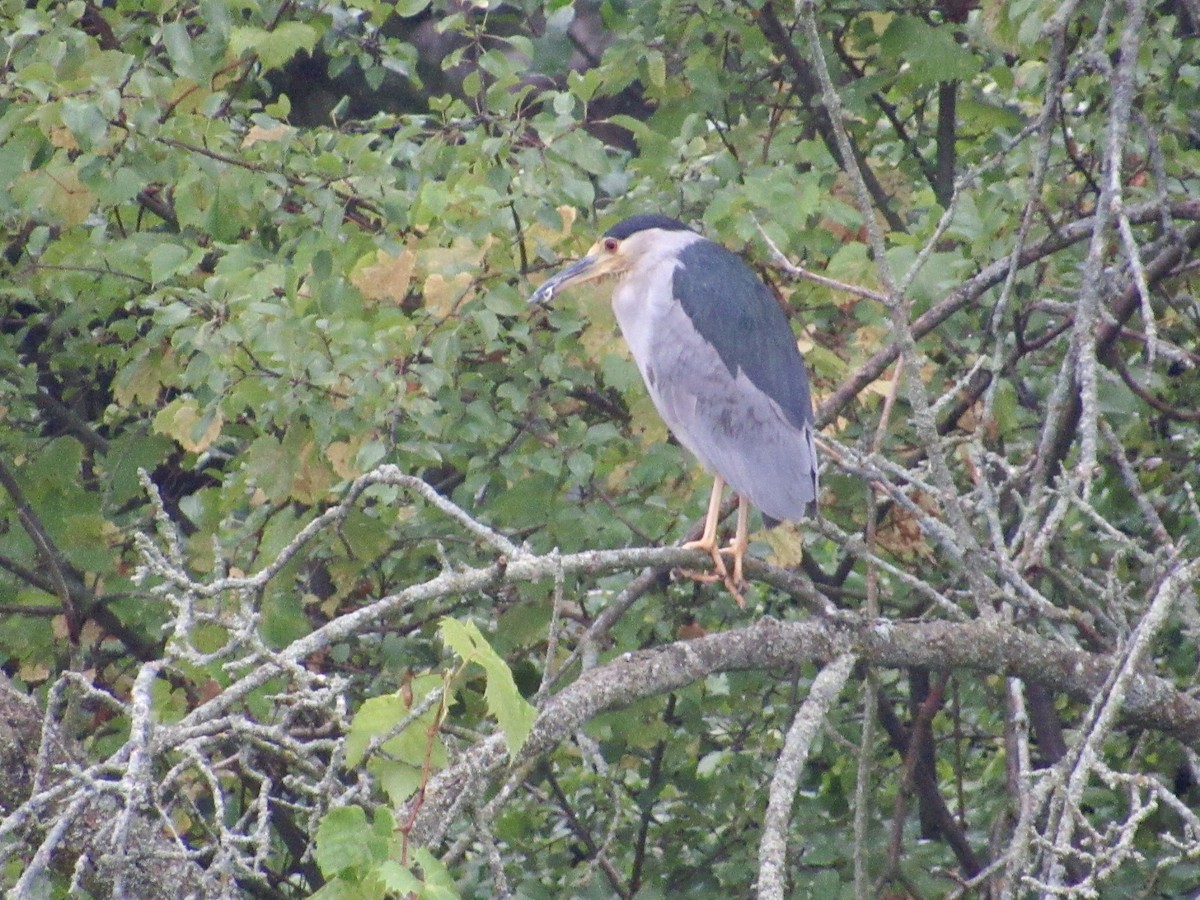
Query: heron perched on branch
x=721, y=364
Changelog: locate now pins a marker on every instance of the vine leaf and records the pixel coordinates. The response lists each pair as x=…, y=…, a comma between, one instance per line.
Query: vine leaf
x=512, y=711
x=405, y=759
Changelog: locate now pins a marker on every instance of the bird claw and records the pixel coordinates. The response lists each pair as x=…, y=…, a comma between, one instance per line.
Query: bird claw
x=734, y=581
x=694, y=575
x=735, y=587
x=738, y=554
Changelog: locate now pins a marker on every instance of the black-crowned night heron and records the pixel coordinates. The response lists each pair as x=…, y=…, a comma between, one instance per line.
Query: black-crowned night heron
x=721, y=364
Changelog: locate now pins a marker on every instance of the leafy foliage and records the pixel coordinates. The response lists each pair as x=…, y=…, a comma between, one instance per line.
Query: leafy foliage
x=257, y=251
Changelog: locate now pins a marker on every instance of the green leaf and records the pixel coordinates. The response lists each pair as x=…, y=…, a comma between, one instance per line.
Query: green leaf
x=505, y=300
x=439, y=885
x=513, y=712
x=348, y=889
x=346, y=841
x=179, y=48
x=126, y=454
x=656, y=68
x=165, y=260
x=402, y=762
x=409, y=7
x=378, y=715
x=222, y=221
x=87, y=123
x=282, y=618
x=275, y=47
x=931, y=53
x=395, y=877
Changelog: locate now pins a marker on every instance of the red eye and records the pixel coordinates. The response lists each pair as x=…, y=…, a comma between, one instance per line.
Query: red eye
x=611, y=244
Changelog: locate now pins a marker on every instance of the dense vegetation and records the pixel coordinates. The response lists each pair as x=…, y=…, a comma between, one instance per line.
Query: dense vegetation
x=327, y=565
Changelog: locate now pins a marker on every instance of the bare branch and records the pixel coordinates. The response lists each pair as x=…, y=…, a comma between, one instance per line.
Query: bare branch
x=1149, y=701
x=772, y=847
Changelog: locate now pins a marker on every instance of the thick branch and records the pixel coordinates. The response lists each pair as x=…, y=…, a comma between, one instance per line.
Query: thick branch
x=1150, y=702
x=772, y=849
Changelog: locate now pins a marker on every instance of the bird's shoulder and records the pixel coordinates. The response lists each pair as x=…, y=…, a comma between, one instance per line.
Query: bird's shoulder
x=738, y=315
x=721, y=293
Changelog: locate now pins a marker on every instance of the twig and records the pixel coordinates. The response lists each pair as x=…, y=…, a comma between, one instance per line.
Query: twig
x=59, y=567
x=798, y=271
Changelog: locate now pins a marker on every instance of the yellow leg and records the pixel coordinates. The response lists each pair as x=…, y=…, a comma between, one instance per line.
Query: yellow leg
x=734, y=581
x=737, y=548
x=708, y=540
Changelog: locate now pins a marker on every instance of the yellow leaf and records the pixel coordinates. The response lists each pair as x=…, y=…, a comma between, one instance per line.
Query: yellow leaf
x=647, y=422
x=807, y=341
x=880, y=386
x=313, y=476
x=91, y=634
x=33, y=672
x=869, y=338
x=186, y=97
x=183, y=421
x=141, y=380
x=384, y=277
x=543, y=234
x=62, y=138
x=786, y=542
x=900, y=532
x=568, y=214
x=600, y=334
x=970, y=419
x=462, y=255
x=341, y=456
x=441, y=294
x=64, y=195
x=274, y=133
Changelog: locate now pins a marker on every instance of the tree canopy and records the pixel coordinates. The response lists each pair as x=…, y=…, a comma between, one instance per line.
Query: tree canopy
x=329, y=566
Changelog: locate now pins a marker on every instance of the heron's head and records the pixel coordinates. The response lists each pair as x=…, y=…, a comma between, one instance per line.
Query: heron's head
x=618, y=251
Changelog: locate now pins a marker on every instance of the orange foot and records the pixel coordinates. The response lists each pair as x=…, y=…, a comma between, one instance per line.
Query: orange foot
x=734, y=581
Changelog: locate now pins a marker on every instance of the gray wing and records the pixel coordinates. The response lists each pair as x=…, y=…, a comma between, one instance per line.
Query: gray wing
x=732, y=426
x=738, y=315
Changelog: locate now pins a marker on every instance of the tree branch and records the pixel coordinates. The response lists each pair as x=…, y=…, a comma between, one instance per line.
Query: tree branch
x=60, y=569
x=165, y=872
x=993, y=274
x=772, y=848
x=994, y=648
x=805, y=87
